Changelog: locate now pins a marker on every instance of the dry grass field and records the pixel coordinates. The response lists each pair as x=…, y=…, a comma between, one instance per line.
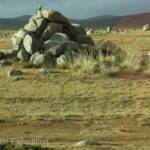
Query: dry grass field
x=68, y=106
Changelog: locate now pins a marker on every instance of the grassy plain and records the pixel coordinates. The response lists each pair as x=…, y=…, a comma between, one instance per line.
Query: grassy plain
x=68, y=106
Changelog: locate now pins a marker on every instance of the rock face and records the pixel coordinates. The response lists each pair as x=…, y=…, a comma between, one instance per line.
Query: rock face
x=146, y=27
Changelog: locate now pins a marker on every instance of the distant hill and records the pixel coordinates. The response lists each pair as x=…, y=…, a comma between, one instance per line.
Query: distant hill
x=13, y=23
x=130, y=21
x=134, y=21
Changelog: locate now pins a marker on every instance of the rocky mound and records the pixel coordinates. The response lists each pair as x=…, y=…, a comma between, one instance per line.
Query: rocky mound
x=47, y=36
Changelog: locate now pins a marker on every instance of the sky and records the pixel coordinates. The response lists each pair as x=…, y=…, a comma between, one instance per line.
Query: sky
x=77, y=9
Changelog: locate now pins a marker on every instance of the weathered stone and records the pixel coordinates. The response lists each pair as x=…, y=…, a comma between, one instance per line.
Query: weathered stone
x=108, y=47
x=79, y=29
x=86, y=143
x=16, y=41
x=36, y=25
x=5, y=63
x=23, y=55
x=56, y=50
x=85, y=40
x=34, y=55
x=42, y=59
x=12, y=53
x=54, y=16
x=31, y=44
x=146, y=27
x=41, y=24
x=70, y=47
x=60, y=37
x=21, y=33
x=49, y=44
x=61, y=61
x=44, y=71
x=51, y=29
x=31, y=26
x=2, y=55
x=14, y=72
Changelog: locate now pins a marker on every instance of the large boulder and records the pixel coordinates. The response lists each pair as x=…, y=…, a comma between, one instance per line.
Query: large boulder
x=38, y=58
x=31, y=44
x=79, y=29
x=47, y=45
x=36, y=25
x=70, y=47
x=56, y=40
x=84, y=40
x=54, y=16
x=60, y=37
x=51, y=29
x=56, y=50
x=16, y=41
x=146, y=27
x=108, y=47
x=21, y=33
x=23, y=55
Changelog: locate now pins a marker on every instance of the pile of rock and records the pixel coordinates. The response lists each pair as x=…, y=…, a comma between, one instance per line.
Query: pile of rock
x=47, y=37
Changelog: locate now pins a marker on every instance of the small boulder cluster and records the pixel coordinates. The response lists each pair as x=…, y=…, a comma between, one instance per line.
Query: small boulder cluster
x=49, y=37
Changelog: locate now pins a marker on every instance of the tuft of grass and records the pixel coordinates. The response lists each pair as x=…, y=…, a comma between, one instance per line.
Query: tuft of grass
x=132, y=60
x=82, y=63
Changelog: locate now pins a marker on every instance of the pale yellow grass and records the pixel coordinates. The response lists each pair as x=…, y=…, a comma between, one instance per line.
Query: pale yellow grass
x=67, y=94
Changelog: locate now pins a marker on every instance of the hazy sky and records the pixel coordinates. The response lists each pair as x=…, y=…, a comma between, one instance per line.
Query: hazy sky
x=78, y=9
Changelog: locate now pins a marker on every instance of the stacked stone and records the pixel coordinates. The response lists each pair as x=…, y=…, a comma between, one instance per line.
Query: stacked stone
x=47, y=37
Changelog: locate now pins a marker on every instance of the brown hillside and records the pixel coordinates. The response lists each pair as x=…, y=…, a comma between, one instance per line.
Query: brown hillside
x=134, y=21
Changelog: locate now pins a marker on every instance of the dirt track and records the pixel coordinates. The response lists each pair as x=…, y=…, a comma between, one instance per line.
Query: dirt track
x=126, y=133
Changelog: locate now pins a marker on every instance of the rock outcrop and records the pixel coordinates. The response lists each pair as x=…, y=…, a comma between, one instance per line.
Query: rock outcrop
x=47, y=36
